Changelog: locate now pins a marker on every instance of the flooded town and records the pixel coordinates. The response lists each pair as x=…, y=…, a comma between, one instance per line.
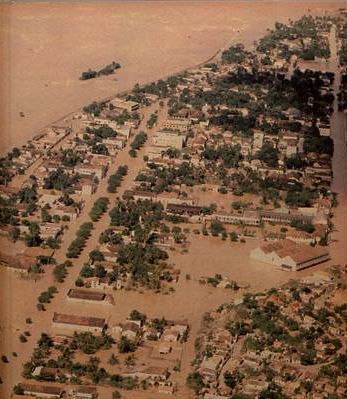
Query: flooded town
x=185, y=237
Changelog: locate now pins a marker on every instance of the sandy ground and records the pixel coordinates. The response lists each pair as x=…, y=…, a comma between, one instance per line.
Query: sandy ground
x=47, y=45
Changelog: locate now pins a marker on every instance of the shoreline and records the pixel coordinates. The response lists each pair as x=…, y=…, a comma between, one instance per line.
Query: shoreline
x=122, y=92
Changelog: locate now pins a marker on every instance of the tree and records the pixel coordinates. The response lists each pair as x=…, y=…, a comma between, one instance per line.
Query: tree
x=14, y=234
x=273, y=391
x=233, y=236
x=230, y=380
x=217, y=227
x=195, y=381
x=299, y=198
x=23, y=338
x=60, y=272
x=268, y=154
x=308, y=357
x=136, y=315
x=116, y=395
x=18, y=390
x=33, y=239
x=40, y=307
x=96, y=256
x=125, y=345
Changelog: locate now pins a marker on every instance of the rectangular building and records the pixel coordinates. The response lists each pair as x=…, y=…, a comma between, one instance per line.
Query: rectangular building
x=129, y=106
x=290, y=255
x=42, y=391
x=169, y=140
x=92, y=324
x=177, y=123
x=86, y=295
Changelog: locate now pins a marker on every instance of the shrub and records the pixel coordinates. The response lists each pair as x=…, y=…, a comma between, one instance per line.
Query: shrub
x=22, y=338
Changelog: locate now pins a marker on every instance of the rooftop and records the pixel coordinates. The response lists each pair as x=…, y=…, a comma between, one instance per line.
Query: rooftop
x=79, y=320
x=86, y=294
x=298, y=252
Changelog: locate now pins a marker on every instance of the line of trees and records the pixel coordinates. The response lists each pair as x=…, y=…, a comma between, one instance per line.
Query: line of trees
x=138, y=142
x=115, y=180
x=77, y=245
x=100, y=207
x=107, y=70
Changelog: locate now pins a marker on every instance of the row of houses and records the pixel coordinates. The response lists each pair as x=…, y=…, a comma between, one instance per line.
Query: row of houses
x=57, y=392
x=251, y=217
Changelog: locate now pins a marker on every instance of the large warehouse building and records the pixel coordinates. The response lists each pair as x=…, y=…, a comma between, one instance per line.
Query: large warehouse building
x=290, y=255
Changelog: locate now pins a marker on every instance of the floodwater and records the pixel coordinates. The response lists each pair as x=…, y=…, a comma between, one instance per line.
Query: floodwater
x=45, y=47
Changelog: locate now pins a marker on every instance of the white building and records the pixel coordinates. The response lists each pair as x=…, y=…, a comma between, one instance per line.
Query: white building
x=290, y=255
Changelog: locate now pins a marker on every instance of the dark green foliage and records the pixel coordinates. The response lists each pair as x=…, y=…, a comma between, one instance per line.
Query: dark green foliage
x=96, y=256
x=120, y=382
x=161, y=178
x=320, y=145
x=300, y=198
x=129, y=213
x=100, y=206
x=229, y=154
x=93, y=108
x=89, y=343
x=110, y=236
x=115, y=180
x=268, y=154
x=235, y=54
x=102, y=132
x=107, y=70
x=70, y=158
x=136, y=315
x=83, y=233
x=195, y=381
x=304, y=226
x=139, y=141
x=125, y=345
x=59, y=180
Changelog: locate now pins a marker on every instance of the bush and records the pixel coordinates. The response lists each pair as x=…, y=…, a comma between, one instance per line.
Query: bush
x=195, y=381
x=45, y=297
x=18, y=390
x=60, y=272
x=125, y=345
x=22, y=338
x=4, y=359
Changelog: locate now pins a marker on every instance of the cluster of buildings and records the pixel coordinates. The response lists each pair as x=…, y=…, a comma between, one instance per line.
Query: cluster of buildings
x=249, y=363
x=165, y=340
x=220, y=344
x=173, y=134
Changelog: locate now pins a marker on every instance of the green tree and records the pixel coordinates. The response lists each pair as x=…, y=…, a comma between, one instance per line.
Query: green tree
x=195, y=381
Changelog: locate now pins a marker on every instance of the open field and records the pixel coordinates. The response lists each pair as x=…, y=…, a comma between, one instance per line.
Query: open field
x=46, y=46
